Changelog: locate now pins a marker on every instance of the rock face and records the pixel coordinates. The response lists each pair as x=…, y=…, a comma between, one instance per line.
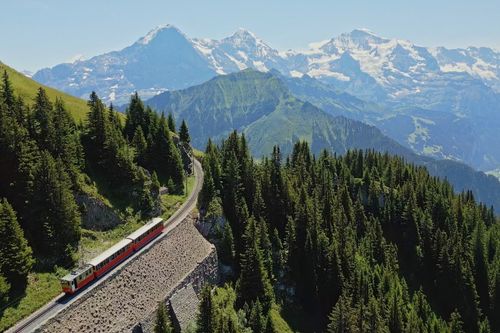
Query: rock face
x=184, y=304
x=96, y=215
x=132, y=293
x=183, y=299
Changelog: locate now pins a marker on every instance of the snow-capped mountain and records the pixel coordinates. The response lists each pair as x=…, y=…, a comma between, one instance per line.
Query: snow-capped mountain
x=425, y=89
x=163, y=59
x=482, y=63
x=167, y=59
x=240, y=51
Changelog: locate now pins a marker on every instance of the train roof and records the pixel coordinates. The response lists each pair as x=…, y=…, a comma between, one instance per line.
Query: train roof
x=151, y=224
x=109, y=252
x=74, y=273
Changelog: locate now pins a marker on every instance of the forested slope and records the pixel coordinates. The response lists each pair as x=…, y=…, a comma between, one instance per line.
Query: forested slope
x=47, y=160
x=265, y=109
x=352, y=243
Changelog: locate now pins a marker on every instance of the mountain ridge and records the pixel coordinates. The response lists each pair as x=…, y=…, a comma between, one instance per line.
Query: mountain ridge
x=425, y=92
x=479, y=62
x=261, y=106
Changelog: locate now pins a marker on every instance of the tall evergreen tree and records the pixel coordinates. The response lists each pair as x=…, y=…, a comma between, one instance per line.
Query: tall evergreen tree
x=254, y=282
x=67, y=145
x=56, y=222
x=7, y=91
x=163, y=323
x=204, y=321
x=168, y=162
x=136, y=116
x=184, y=133
x=257, y=320
x=15, y=254
x=171, y=123
x=208, y=190
x=96, y=120
x=140, y=144
x=340, y=317
x=44, y=126
x=4, y=290
x=226, y=253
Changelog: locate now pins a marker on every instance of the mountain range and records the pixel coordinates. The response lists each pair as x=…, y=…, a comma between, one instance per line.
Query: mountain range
x=261, y=106
x=436, y=101
x=396, y=69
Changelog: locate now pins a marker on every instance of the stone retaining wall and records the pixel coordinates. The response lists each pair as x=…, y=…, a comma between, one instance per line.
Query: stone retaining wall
x=206, y=272
x=130, y=296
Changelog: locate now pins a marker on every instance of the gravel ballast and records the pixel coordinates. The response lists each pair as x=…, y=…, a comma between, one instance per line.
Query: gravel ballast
x=134, y=292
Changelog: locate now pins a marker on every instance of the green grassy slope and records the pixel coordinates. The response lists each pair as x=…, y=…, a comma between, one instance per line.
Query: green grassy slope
x=260, y=105
x=27, y=88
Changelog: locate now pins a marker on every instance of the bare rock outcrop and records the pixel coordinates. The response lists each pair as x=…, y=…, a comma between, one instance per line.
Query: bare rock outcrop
x=96, y=215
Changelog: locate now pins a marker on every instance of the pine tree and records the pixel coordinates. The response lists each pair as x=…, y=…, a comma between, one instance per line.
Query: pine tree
x=155, y=183
x=96, y=121
x=7, y=91
x=481, y=274
x=208, y=190
x=167, y=158
x=257, y=320
x=15, y=254
x=4, y=290
x=254, y=282
x=226, y=247
x=275, y=193
x=456, y=324
x=43, y=116
x=136, y=116
x=163, y=323
x=67, y=144
x=495, y=295
x=204, y=321
x=140, y=144
x=184, y=133
x=113, y=118
x=340, y=317
x=56, y=222
x=171, y=123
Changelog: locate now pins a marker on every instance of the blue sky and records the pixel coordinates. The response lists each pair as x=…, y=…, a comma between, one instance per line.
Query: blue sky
x=41, y=33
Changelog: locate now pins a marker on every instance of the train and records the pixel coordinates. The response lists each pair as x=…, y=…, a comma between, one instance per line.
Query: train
x=100, y=265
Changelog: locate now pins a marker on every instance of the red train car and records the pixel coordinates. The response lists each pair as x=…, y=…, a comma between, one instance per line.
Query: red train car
x=77, y=279
x=111, y=257
x=146, y=233
x=103, y=263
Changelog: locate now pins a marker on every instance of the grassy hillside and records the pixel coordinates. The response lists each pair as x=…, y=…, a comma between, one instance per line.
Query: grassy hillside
x=261, y=106
x=27, y=88
x=222, y=104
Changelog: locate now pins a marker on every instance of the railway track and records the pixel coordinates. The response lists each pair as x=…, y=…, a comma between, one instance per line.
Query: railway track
x=59, y=303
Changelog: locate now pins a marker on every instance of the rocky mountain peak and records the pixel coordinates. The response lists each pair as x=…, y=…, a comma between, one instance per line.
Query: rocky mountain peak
x=158, y=32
